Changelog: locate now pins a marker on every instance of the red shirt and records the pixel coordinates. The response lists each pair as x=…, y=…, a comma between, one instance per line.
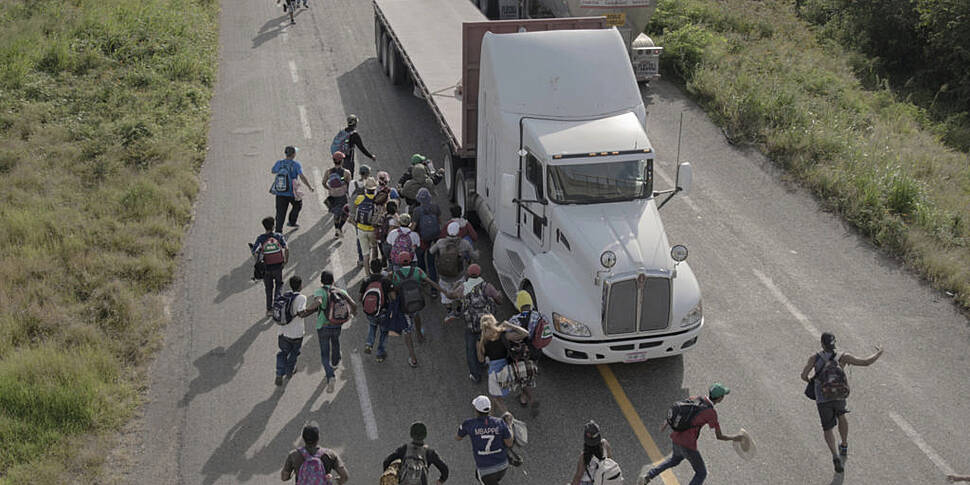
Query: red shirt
x=688, y=438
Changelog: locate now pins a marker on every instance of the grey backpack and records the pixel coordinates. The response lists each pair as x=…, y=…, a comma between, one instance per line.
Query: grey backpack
x=414, y=466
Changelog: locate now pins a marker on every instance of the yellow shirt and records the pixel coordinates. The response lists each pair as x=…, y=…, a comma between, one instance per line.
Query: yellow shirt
x=357, y=201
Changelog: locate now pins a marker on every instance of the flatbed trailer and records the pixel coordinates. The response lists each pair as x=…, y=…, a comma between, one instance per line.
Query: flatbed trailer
x=436, y=44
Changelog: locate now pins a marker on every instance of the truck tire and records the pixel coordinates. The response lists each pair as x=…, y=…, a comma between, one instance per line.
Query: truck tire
x=450, y=168
x=385, y=44
x=395, y=66
x=378, y=31
x=462, y=196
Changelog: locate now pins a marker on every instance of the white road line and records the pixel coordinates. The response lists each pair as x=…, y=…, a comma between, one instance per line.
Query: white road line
x=802, y=319
x=305, y=122
x=293, y=74
x=370, y=423
x=918, y=441
x=671, y=183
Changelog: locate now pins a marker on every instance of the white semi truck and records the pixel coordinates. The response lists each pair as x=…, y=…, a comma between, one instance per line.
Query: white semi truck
x=544, y=125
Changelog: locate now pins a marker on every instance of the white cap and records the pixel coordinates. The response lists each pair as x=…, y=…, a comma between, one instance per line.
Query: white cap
x=453, y=229
x=482, y=404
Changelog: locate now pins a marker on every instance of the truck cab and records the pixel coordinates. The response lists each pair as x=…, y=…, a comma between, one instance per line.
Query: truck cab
x=564, y=183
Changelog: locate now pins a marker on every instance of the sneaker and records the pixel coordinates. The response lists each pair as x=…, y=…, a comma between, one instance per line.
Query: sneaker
x=838, y=464
x=380, y=358
x=474, y=378
x=289, y=375
x=278, y=381
x=367, y=349
x=337, y=234
x=329, y=383
x=843, y=450
x=412, y=362
x=293, y=225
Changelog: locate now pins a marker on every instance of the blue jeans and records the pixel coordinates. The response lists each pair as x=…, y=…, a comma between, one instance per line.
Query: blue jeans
x=471, y=353
x=679, y=454
x=372, y=334
x=426, y=262
x=286, y=357
x=329, y=338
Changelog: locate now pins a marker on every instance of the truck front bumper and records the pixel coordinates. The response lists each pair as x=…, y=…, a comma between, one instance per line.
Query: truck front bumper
x=627, y=350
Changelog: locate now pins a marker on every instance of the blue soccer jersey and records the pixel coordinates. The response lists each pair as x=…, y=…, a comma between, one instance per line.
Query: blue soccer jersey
x=488, y=442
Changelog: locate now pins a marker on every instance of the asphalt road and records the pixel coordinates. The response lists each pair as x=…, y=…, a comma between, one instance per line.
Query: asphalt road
x=775, y=269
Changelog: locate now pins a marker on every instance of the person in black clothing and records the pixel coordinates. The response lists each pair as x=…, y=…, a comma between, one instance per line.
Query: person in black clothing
x=375, y=320
x=418, y=433
x=354, y=141
x=270, y=249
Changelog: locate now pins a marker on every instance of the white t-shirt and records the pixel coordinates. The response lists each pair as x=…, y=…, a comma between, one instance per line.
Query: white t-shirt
x=295, y=329
x=404, y=231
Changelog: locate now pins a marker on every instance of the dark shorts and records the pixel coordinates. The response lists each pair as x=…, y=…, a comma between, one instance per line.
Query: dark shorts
x=829, y=413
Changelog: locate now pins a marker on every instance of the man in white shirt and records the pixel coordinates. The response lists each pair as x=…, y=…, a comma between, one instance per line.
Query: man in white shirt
x=411, y=240
x=291, y=333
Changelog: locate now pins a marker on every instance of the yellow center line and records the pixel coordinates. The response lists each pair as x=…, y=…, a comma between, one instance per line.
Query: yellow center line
x=626, y=407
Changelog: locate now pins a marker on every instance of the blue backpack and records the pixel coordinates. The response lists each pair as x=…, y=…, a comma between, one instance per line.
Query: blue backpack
x=428, y=225
x=341, y=142
x=282, y=182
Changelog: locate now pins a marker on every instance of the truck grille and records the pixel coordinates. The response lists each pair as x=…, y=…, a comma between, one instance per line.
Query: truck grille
x=641, y=303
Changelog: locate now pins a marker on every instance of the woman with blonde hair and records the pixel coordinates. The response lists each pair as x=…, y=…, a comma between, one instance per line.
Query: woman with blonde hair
x=493, y=345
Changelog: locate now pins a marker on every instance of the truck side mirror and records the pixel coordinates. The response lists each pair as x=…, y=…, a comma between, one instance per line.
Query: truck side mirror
x=684, y=176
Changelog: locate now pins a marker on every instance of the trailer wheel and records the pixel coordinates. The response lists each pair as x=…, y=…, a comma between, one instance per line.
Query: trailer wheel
x=385, y=44
x=460, y=196
x=378, y=31
x=450, y=174
x=395, y=67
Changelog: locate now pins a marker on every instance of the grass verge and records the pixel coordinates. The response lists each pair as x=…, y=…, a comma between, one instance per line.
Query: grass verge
x=763, y=75
x=103, y=124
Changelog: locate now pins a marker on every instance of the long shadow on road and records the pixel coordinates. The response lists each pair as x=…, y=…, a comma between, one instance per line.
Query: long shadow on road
x=219, y=365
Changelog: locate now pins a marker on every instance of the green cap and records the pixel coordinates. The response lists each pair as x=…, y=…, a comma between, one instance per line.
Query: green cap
x=718, y=390
x=417, y=158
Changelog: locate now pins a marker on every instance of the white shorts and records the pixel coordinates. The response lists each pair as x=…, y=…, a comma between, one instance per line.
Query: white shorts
x=449, y=286
x=366, y=239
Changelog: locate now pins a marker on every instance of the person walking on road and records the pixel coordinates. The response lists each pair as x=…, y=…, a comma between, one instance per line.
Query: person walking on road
x=337, y=182
x=312, y=464
x=270, y=250
x=493, y=349
x=366, y=218
x=374, y=293
x=334, y=307
x=347, y=140
x=407, y=280
x=477, y=299
x=420, y=180
x=286, y=172
x=491, y=438
x=595, y=450
x=827, y=370
x=416, y=459
x=465, y=229
x=388, y=222
x=356, y=189
x=685, y=442
x=427, y=221
x=451, y=255
x=291, y=330
x=436, y=175
x=402, y=240
x=529, y=319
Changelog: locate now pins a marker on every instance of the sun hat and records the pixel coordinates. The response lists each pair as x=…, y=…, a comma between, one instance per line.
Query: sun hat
x=718, y=390
x=745, y=448
x=482, y=404
x=370, y=183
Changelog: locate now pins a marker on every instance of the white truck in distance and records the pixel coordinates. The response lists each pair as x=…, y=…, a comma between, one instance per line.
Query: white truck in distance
x=548, y=148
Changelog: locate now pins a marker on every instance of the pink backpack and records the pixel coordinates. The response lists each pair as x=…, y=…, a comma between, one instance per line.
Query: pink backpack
x=312, y=471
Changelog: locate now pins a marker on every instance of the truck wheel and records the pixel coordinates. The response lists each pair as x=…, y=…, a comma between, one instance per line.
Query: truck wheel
x=378, y=31
x=460, y=194
x=395, y=66
x=385, y=54
x=449, y=174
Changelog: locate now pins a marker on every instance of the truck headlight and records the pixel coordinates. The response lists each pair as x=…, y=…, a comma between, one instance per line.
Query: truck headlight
x=693, y=317
x=570, y=327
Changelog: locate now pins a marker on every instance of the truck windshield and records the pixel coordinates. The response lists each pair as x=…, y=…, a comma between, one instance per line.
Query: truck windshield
x=600, y=182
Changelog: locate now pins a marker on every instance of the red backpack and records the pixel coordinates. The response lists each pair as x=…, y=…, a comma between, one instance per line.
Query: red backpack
x=338, y=308
x=272, y=251
x=540, y=331
x=373, y=299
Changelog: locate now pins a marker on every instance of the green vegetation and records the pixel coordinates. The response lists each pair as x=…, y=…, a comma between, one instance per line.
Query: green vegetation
x=103, y=122
x=762, y=73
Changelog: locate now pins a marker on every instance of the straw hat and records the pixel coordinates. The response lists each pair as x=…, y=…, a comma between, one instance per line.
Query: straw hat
x=745, y=448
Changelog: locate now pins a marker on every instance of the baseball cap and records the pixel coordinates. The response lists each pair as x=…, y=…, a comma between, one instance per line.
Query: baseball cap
x=718, y=390
x=405, y=219
x=522, y=298
x=403, y=257
x=364, y=170
x=482, y=404
x=383, y=176
x=370, y=183
x=474, y=270
x=352, y=119
x=418, y=431
x=418, y=158
x=338, y=155
x=591, y=434
x=828, y=340
x=290, y=150
x=453, y=229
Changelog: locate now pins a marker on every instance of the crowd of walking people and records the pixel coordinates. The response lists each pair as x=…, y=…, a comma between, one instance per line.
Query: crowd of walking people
x=411, y=260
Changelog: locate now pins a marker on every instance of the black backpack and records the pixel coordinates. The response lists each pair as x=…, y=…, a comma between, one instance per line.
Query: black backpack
x=283, y=308
x=682, y=413
x=366, y=211
x=833, y=383
x=409, y=290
